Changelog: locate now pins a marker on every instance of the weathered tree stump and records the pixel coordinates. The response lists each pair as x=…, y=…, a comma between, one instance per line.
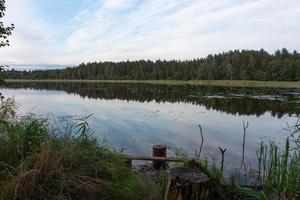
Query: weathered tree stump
x=187, y=184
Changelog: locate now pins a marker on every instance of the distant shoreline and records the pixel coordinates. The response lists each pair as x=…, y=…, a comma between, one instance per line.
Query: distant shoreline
x=227, y=83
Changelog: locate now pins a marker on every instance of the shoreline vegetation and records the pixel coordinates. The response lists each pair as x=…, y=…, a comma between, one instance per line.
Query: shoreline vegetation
x=41, y=160
x=225, y=83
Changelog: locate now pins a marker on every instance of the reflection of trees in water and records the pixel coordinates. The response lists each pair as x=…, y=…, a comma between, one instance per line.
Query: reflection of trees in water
x=241, y=101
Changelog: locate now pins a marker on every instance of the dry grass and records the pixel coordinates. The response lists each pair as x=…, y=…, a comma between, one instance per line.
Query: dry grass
x=36, y=164
x=68, y=170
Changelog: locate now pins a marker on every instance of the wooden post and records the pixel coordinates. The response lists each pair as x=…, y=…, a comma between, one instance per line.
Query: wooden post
x=159, y=151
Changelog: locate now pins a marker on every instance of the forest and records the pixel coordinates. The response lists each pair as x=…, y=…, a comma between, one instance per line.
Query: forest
x=232, y=65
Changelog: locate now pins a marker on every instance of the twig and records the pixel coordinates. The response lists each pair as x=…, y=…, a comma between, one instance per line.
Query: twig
x=245, y=126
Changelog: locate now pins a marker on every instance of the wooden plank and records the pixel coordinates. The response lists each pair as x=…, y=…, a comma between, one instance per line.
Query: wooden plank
x=152, y=158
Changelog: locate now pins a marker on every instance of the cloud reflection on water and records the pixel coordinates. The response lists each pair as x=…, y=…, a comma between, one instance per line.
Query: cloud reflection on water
x=137, y=126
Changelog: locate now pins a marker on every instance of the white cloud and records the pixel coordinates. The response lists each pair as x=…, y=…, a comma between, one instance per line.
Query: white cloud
x=167, y=29
x=116, y=4
x=32, y=41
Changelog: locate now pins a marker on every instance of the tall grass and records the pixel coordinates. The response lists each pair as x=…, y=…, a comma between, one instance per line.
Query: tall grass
x=276, y=176
x=280, y=171
x=37, y=164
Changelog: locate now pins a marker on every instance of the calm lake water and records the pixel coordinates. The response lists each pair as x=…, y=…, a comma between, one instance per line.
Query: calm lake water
x=137, y=116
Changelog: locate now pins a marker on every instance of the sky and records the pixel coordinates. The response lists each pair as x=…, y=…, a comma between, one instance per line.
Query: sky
x=69, y=32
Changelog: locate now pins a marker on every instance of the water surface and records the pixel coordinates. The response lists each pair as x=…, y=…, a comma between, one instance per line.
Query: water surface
x=137, y=116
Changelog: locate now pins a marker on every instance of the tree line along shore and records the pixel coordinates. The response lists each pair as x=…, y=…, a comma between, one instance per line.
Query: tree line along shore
x=228, y=83
x=245, y=65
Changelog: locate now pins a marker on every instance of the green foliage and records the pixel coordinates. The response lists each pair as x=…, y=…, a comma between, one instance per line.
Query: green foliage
x=162, y=181
x=4, y=31
x=278, y=171
x=1, y=75
x=7, y=109
x=19, y=140
x=282, y=172
x=2, y=82
x=37, y=164
x=276, y=177
x=232, y=65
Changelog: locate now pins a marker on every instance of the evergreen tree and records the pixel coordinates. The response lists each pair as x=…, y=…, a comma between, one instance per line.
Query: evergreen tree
x=232, y=65
x=4, y=33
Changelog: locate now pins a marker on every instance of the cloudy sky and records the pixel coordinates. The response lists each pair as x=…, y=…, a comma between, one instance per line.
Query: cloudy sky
x=75, y=31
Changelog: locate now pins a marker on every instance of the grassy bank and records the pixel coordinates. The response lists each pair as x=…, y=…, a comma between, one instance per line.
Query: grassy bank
x=47, y=159
x=38, y=161
x=228, y=83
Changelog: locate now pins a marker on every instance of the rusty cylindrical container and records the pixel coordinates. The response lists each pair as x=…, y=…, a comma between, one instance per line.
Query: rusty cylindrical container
x=159, y=151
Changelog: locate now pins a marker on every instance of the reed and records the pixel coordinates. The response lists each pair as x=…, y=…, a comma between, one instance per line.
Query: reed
x=37, y=164
x=282, y=173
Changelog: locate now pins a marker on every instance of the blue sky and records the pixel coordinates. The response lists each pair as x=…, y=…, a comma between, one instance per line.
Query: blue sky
x=75, y=31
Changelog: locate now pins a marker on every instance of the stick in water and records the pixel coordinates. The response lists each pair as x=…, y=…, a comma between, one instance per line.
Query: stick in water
x=222, y=162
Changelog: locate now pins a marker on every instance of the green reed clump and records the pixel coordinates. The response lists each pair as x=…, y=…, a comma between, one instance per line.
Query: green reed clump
x=280, y=171
x=37, y=164
x=276, y=176
x=161, y=182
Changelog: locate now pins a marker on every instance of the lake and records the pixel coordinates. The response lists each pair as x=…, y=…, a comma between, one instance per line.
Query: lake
x=137, y=116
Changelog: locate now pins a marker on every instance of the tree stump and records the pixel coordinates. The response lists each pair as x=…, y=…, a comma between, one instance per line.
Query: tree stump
x=187, y=184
